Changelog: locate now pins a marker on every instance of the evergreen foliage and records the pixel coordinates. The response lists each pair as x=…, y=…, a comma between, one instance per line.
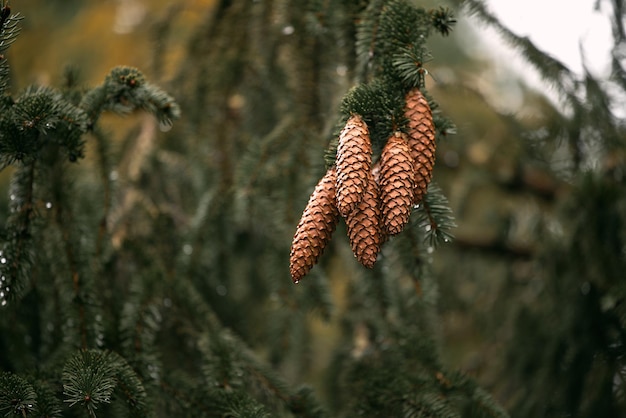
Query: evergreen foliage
x=564, y=346
x=150, y=277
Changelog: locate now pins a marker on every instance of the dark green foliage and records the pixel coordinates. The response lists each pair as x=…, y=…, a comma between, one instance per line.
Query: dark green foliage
x=579, y=340
x=380, y=108
x=588, y=109
x=565, y=355
x=17, y=396
x=90, y=378
x=9, y=30
x=391, y=54
x=443, y=20
x=393, y=367
x=151, y=278
x=38, y=117
x=124, y=90
x=435, y=217
x=38, y=125
x=48, y=404
x=388, y=30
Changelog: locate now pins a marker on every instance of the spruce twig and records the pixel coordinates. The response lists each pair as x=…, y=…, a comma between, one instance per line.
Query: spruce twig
x=16, y=257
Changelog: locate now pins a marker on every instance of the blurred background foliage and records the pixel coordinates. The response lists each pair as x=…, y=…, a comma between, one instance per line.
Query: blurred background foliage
x=504, y=172
x=478, y=169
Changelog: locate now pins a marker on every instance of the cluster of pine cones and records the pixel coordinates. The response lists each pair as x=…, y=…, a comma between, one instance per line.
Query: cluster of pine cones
x=374, y=199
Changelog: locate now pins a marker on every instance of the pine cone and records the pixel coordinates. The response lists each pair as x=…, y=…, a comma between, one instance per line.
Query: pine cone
x=421, y=130
x=354, y=161
x=316, y=226
x=397, y=183
x=363, y=225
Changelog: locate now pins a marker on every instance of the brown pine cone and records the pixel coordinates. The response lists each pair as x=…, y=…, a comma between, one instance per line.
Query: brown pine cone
x=397, y=183
x=354, y=161
x=316, y=226
x=363, y=225
x=421, y=131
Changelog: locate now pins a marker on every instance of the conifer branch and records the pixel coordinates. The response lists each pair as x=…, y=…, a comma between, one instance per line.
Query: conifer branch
x=130, y=385
x=48, y=405
x=366, y=37
x=63, y=220
x=16, y=257
x=256, y=161
x=90, y=378
x=39, y=117
x=587, y=107
x=443, y=20
x=124, y=90
x=104, y=165
x=17, y=396
x=410, y=64
x=9, y=30
x=301, y=402
x=551, y=69
x=435, y=217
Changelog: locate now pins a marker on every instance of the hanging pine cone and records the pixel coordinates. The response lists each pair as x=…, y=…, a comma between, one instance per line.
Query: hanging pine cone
x=421, y=131
x=363, y=225
x=397, y=183
x=354, y=161
x=316, y=226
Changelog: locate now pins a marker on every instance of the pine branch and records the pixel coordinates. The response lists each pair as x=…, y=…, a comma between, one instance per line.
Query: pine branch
x=16, y=257
x=409, y=63
x=435, y=217
x=251, y=372
x=304, y=404
x=484, y=406
x=443, y=20
x=130, y=387
x=552, y=70
x=300, y=402
x=9, y=30
x=619, y=37
x=17, y=396
x=125, y=90
x=366, y=38
x=65, y=222
x=600, y=114
x=105, y=171
x=430, y=404
x=90, y=378
x=38, y=117
x=48, y=405
x=380, y=106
